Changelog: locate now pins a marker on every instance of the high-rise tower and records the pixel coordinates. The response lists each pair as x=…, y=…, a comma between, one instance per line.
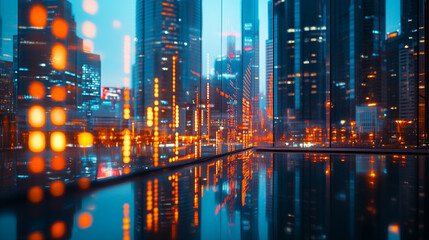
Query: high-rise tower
x=168, y=63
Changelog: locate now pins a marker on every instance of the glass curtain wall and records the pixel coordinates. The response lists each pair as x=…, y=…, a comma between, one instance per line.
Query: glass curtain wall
x=95, y=89
x=350, y=74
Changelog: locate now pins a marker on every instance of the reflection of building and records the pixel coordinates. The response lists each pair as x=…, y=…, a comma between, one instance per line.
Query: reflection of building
x=168, y=64
x=168, y=207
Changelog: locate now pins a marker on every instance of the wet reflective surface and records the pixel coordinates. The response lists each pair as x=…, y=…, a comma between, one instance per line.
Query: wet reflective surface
x=243, y=196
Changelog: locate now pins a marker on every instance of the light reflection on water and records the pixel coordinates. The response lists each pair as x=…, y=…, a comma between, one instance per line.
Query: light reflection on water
x=249, y=196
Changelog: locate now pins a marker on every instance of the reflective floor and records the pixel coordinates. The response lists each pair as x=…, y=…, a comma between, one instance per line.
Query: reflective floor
x=243, y=196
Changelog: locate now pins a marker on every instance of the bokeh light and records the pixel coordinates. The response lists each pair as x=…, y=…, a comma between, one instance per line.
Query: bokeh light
x=58, y=230
x=36, y=165
x=59, y=56
x=88, y=46
x=84, y=220
x=36, y=141
x=57, y=188
x=38, y=16
x=35, y=194
x=35, y=236
x=84, y=183
x=36, y=116
x=85, y=139
x=58, y=116
x=116, y=24
x=58, y=163
x=36, y=90
x=127, y=170
x=89, y=29
x=58, y=93
x=60, y=28
x=58, y=141
x=90, y=6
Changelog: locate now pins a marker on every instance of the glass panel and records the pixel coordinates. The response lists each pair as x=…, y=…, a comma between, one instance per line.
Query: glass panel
x=374, y=73
x=301, y=61
x=423, y=77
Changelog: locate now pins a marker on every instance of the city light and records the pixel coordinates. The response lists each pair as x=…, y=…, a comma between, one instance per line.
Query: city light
x=58, y=141
x=36, y=165
x=35, y=194
x=38, y=16
x=58, y=116
x=85, y=139
x=85, y=220
x=36, y=117
x=59, y=56
x=60, y=28
x=36, y=141
x=57, y=188
x=36, y=90
x=58, y=163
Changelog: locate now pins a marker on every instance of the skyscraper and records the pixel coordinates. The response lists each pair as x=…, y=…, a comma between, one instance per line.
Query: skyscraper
x=250, y=98
x=35, y=49
x=301, y=59
x=168, y=63
x=91, y=82
x=358, y=72
x=269, y=77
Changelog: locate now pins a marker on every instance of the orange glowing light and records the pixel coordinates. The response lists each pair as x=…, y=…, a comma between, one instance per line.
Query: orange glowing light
x=58, y=229
x=126, y=159
x=35, y=236
x=36, y=90
x=85, y=139
x=36, y=142
x=90, y=6
x=85, y=220
x=36, y=165
x=127, y=170
x=58, y=93
x=59, y=57
x=35, y=194
x=84, y=183
x=36, y=116
x=57, y=188
x=60, y=28
x=394, y=229
x=38, y=16
x=89, y=29
x=58, y=163
x=58, y=116
x=58, y=141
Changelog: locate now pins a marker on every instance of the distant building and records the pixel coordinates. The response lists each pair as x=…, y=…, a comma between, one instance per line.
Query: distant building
x=91, y=83
x=7, y=91
x=407, y=84
x=370, y=119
